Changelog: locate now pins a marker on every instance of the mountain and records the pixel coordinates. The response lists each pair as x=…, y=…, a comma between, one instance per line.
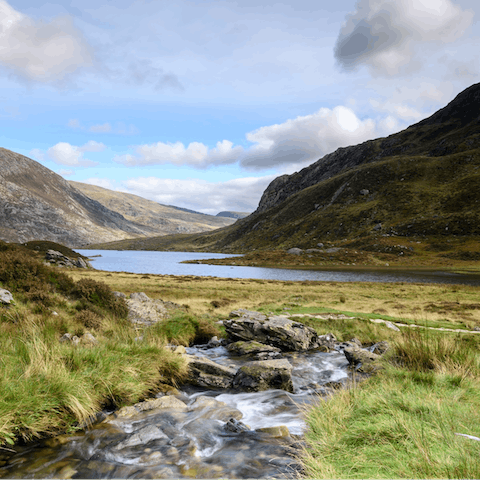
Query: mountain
x=164, y=219
x=235, y=215
x=423, y=181
x=36, y=203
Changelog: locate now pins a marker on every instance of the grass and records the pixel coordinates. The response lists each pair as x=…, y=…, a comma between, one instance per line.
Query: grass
x=402, y=423
x=436, y=305
x=47, y=386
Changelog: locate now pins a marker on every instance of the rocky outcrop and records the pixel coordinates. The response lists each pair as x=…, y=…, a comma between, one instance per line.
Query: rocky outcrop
x=264, y=375
x=143, y=310
x=56, y=258
x=277, y=331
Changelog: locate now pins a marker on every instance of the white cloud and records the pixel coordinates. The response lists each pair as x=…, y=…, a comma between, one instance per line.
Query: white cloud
x=385, y=34
x=307, y=138
x=41, y=51
x=292, y=143
x=196, y=154
x=242, y=194
x=64, y=153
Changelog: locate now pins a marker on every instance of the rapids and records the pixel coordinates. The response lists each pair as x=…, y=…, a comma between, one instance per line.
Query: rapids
x=195, y=440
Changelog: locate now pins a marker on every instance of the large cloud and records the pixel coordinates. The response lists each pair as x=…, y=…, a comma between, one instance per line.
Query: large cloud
x=384, y=34
x=306, y=138
x=64, y=153
x=289, y=144
x=196, y=154
x=46, y=52
x=242, y=194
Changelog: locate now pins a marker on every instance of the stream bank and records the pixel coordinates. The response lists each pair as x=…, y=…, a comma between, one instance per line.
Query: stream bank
x=205, y=432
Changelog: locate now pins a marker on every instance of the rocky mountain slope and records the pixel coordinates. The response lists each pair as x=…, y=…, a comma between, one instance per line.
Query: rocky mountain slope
x=164, y=219
x=421, y=182
x=36, y=203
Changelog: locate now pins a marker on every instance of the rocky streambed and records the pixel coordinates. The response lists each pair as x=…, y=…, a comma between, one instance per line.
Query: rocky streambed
x=239, y=416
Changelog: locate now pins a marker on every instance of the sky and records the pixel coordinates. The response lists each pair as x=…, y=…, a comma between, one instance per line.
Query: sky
x=201, y=104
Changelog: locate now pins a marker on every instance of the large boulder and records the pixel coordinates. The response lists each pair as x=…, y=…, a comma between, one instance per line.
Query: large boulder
x=204, y=372
x=6, y=298
x=142, y=310
x=264, y=375
x=277, y=331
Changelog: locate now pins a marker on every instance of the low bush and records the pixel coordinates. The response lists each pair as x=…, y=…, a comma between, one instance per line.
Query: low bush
x=100, y=295
x=89, y=319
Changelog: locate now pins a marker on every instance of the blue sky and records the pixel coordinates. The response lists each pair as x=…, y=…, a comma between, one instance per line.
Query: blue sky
x=200, y=104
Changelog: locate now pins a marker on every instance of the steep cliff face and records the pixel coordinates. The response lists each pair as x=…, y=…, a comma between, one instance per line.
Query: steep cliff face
x=452, y=129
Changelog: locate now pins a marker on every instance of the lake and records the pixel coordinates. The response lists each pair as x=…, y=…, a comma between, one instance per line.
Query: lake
x=169, y=263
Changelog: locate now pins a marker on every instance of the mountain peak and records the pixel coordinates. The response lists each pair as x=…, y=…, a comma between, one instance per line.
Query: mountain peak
x=462, y=110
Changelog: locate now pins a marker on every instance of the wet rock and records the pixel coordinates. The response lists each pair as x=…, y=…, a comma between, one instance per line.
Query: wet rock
x=277, y=432
x=210, y=408
x=235, y=426
x=204, y=372
x=126, y=412
x=277, y=331
x=326, y=343
x=142, y=437
x=264, y=375
x=214, y=342
x=6, y=298
x=363, y=360
x=253, y=348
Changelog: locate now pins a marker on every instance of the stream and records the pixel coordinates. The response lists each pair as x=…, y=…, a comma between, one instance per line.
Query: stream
x=199, y=434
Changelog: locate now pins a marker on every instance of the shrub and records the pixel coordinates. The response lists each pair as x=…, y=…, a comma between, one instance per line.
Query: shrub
x=89, y=319
x=100, y=295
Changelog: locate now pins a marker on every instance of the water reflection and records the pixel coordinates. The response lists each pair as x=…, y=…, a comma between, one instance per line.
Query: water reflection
x=168, y=263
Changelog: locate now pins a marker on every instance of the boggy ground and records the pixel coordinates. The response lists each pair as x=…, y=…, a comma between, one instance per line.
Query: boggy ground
x=400, y=423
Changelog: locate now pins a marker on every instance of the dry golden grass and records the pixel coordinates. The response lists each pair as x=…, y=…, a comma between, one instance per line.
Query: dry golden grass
x=441, y=304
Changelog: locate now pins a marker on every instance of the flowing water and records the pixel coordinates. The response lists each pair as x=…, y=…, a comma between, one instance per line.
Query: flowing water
x=192, y=441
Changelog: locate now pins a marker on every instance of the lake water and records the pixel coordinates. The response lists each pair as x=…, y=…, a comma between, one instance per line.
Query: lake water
x=169, y=263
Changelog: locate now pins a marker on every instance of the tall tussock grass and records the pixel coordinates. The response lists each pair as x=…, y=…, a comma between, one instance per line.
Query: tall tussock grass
x=48, y=386
x=403, y=422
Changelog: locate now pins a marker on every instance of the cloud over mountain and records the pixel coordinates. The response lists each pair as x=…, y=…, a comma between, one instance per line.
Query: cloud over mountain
x=385, y=34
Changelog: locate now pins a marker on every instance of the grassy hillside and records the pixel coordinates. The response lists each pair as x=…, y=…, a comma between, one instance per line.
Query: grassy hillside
x=435, y=201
